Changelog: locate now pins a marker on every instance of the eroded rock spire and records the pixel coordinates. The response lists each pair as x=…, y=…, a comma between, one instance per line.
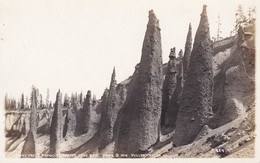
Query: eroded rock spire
x=29, y=144
x=86, y=112
x=141, y=114
x=174, y=103
x=196, y=102
x=187, y=52
x=169, y=85
x=109, y=115
x=70, y=123
x=56, y=128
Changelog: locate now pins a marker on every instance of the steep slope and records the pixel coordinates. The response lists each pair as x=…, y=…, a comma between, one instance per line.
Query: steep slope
x=130, y=111
x=234, y=79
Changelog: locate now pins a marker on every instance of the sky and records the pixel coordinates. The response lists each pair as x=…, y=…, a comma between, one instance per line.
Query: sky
x=74, y=45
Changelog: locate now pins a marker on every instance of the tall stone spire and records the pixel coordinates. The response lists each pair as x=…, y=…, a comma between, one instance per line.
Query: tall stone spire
x=29, y=144
x=141, y=114
x=109, y=115
x=113, y=79
x=70, y=123
x=174, y=101
x=56, y=126
x=187, y=52
x=86, y=112
x=196, y=102
x=169, y=85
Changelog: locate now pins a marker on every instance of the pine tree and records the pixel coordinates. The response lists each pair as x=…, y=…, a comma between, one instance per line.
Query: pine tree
x=219, y=30
x=18, y=104
x=41, y=102
x=240, y=19
x=47, y=98
x=6, y=102
x=251, y=15
x=80, y=98
x=13, y=104
x=72, y=99
x=26, y=102
x=33, y=119
x=66, y=101
x=22, y=101
x=37, y=98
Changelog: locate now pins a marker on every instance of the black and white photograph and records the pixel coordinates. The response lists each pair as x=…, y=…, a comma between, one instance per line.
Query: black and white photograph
x=128, y=79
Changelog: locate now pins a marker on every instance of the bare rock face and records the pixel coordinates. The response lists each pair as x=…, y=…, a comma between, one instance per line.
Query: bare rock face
x=234, y=84
x=187, y=52
x=142, y=109
x=238, y=91
x=196, y=102
x=169, y=86
x=56, y=126
x=109, y=114
x=29, y=144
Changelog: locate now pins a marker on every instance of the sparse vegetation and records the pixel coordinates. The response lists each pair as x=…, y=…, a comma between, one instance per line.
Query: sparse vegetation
x=204, y=107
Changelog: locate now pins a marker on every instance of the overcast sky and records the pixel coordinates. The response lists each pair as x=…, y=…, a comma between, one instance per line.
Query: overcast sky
x=74, y=44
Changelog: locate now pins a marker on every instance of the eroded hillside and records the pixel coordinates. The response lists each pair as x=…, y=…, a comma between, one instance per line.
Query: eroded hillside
x=200, y=104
